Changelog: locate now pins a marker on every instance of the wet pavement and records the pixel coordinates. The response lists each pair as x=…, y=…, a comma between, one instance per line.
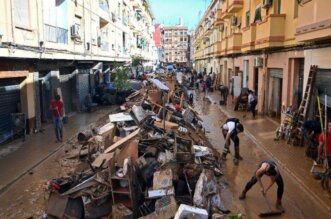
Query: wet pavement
x=303, y=196
x=19, y=158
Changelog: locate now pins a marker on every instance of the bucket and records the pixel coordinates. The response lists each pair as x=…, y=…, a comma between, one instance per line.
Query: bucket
x=65, y=120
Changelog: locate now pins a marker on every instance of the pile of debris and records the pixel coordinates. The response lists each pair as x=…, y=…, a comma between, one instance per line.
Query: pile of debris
x=151, y=160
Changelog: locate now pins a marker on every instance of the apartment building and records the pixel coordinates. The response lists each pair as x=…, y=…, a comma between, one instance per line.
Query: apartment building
x=269, y=44
x=175, y=44
x=158, y=42
x=67, y=46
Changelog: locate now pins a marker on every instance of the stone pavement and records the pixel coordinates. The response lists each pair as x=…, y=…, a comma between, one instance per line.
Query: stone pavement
x=18, y=158
x=290, y=158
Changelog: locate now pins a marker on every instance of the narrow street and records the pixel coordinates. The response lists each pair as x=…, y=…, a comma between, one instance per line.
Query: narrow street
x=297, y=201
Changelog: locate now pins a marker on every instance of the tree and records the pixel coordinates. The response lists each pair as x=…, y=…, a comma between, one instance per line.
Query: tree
x=121, y=81
x=137, y=61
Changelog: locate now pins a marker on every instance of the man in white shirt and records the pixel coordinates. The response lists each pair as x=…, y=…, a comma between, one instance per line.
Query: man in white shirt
x=230, y=130
x=252, y=101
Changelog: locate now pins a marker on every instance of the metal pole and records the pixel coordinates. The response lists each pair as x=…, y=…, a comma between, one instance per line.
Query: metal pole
x=325, y=128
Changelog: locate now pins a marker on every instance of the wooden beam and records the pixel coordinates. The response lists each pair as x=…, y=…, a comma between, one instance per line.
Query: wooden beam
x=122, y=141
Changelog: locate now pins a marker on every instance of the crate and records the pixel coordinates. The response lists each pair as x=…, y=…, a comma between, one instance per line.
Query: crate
x=186, y=155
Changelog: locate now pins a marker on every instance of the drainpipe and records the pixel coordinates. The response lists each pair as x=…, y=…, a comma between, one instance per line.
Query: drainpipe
x=12, y=20
x=264, y=72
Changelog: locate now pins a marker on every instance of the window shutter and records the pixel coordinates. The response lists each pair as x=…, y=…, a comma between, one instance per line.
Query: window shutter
x=22, y=13
x=258, y=16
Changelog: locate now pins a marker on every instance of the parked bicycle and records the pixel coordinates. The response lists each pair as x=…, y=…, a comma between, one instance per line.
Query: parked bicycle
x=285, y=128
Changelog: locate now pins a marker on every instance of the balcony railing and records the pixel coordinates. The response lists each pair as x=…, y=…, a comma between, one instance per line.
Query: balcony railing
x=224, y=44
x=235, y=5
x=270, y=32
x=104, y=46
x=218, y=48
x=55, y=34
x=248, y=38
x=234, y=43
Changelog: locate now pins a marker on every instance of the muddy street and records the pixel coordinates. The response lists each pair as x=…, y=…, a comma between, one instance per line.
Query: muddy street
x=27, y=196
x=297, y=202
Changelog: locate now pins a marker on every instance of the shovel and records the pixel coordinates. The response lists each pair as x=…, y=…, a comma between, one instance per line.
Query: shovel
x=270, y=212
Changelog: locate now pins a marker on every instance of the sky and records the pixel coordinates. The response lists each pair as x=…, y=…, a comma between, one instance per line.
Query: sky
x=168, y=12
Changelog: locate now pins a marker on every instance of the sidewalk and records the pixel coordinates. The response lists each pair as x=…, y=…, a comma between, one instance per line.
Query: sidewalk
x=18, y=158
x=290, y=158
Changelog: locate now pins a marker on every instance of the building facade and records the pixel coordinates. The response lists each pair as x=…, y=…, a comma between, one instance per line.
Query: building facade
x=66, y=46
x=158, y=43
x=269, y=45
x=175, y=44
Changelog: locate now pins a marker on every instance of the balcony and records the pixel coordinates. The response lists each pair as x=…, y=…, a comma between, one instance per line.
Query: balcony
x=270, y=32
x=234, y=43
x=314, y=21
x=224, y=45
x=224, y=10
x=248, y=38
x=218, y=48
x=55, y=34
x=235, y=5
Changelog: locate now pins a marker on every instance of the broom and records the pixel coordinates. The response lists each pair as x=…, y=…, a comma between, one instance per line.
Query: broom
x=270, y=212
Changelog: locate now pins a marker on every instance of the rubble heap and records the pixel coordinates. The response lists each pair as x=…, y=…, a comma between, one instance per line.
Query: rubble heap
x=151, y=160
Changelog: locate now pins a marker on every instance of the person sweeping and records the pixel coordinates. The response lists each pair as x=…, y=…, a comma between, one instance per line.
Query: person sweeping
x=268, y=168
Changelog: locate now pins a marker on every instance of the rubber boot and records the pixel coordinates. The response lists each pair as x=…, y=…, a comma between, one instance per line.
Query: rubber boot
x=279, y=205
x=242, y=195
x=236, y=154
x=235, y=161
x=225, y=152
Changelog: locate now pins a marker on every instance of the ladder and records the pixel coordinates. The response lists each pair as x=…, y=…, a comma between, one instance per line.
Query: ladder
x=302, y=112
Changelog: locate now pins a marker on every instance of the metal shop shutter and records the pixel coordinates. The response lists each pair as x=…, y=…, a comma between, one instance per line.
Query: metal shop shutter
x=83, y=88
x=68, y=88
x=323, y=84
x=9, y=99
x=323, y=81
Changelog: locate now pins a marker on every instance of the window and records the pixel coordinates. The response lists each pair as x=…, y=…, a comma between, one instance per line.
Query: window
x=247, y=18
x=278, y=6
x=296, y=9
x=94, y=31
x=103, y=4
x=258, y=16
x=119, y=10
x=22, y=13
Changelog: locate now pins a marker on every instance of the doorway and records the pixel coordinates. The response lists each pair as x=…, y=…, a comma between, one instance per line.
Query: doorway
x=275, y=92
x=246, y=73
x=256, y=81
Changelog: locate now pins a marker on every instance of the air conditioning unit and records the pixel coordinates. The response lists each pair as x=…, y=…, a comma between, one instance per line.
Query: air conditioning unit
x=258, y=62
x=75, y=31
x=267, y=3
x=99, y=41
x=113, y=17
x=233, y=21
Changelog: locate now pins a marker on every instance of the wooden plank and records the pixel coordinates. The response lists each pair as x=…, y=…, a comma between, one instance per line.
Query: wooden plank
x=130, y=149
x=168, y=125
x=121, y=141
x=102, y=158
x=181, y=100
